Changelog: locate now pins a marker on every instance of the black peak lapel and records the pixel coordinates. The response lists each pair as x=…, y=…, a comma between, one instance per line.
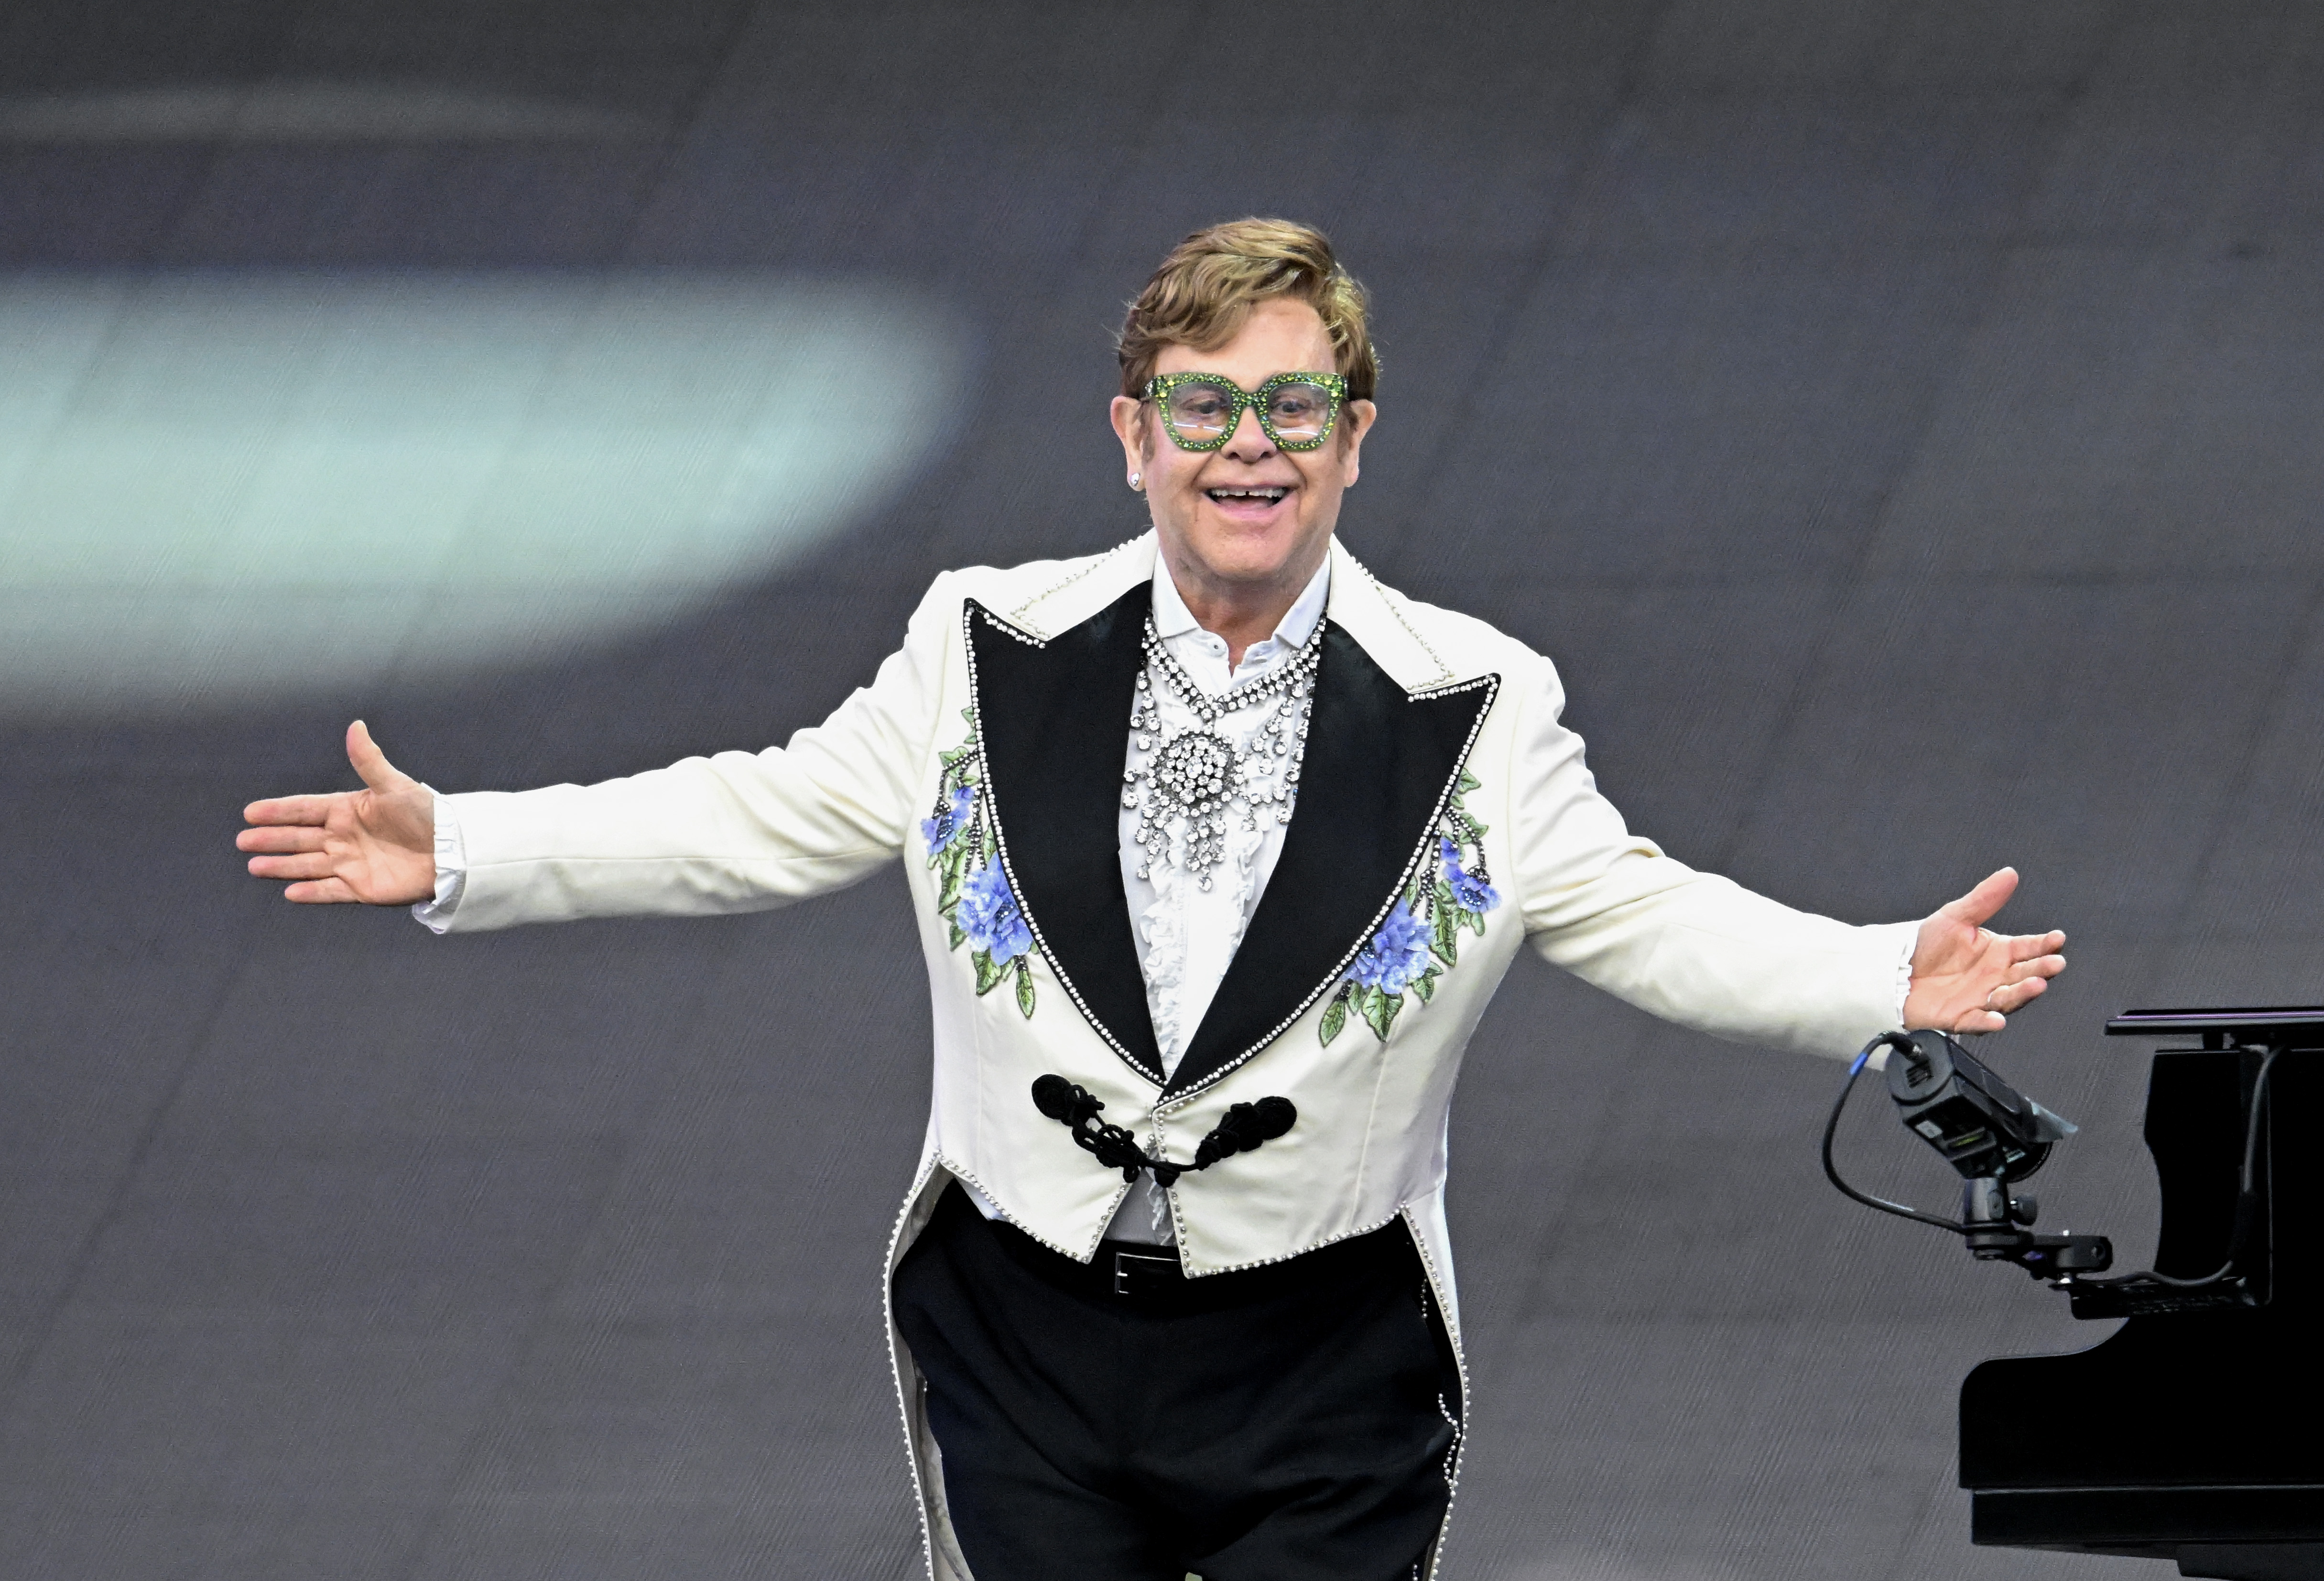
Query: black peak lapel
x=1054, y=720
x=1380, y=765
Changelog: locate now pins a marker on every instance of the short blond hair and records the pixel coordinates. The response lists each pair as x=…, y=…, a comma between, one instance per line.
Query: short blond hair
x=1205, y=288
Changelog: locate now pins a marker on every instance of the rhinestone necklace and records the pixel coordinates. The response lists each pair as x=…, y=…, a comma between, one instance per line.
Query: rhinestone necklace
x=1200, y=774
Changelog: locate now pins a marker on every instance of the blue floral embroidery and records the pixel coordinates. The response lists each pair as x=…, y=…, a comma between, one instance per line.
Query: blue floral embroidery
x=973, y=892
x=1419, y=940
x=1395, y=955
x=950, y=819
x=989, y=915
x=1468, y=890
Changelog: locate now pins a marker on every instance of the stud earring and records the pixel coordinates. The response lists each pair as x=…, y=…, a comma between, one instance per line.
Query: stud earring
x=1137, y=479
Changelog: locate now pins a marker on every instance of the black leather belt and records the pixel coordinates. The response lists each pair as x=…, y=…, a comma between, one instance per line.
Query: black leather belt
x=1155, y=1273
x=1135, y=1277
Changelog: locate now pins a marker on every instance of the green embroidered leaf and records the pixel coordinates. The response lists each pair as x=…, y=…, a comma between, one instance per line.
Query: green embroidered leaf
x=1425, y=985
x=1478, y=830
x=949, y=874
x=958, y=937
x=1335, y=1015
x=1476, y=920
x=988, y=976
x=1444, y=936
x=1469, y=782
x=1378, y=1009
x=1025, y=987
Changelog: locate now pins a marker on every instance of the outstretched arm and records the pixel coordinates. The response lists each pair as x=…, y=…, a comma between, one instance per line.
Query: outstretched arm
x=1698, y=949
x=1966, y=977
x=376, y=845
x=731, y=832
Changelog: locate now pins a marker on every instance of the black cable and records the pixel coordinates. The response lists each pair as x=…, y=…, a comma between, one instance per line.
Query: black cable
x=1902, y=1044
x=2247, y=1200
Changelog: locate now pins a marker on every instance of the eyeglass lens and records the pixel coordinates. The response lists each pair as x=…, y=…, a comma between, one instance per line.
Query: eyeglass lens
x=1298, y=411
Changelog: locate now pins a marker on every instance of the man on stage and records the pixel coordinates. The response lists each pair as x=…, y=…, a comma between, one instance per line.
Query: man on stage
x=1218, y=849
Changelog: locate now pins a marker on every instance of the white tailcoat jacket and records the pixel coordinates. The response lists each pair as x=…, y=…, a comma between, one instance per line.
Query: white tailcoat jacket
x=1014, y=686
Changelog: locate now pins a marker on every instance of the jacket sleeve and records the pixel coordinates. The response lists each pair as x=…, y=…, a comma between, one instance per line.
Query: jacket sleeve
x=1691, y=947
x=737, y=831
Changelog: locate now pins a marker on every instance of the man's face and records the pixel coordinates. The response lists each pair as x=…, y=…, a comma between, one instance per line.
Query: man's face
x=1248, y=513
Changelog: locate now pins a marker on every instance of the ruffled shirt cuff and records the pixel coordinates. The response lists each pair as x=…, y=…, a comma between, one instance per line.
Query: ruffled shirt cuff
x=1904, y=964
x=451, y=869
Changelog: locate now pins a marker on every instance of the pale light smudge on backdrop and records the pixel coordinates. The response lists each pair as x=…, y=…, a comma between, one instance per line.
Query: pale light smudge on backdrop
x=309, y=110
x=223, y=486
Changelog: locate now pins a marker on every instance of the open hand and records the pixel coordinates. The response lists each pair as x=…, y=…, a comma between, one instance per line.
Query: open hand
x=376, y=845
x=1966, y=977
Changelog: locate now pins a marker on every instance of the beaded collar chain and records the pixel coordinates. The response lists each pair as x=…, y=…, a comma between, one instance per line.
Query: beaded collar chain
x=1203, y=775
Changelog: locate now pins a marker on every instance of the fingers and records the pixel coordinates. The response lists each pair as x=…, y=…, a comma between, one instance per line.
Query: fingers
x=289, y=810
x=2031, y=983
x=304, y=865
x=2017, y=967
x=2017, y=995
x=282, y=839
x=2025, y=946
x=1990, y=896
x=371, y=762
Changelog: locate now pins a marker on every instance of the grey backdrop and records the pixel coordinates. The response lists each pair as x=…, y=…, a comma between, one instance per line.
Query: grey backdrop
x=1898, y=417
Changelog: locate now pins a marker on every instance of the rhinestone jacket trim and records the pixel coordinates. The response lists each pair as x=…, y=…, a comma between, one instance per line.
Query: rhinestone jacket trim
x=1391, y=599
x=1089, y=566
x=896, y=1368
x=1436, y=1285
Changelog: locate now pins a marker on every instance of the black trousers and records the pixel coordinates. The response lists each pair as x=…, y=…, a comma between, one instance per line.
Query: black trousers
x=1284, y=1423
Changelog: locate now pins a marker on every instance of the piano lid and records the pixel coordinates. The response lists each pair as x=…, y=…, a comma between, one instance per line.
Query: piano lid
x=2291, y=1026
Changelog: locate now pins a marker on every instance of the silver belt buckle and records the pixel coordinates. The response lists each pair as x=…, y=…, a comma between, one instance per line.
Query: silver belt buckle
x=1124, y=1267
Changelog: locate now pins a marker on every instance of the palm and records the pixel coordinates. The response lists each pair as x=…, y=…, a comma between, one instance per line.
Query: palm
x=1969, y=979
x=376, y=845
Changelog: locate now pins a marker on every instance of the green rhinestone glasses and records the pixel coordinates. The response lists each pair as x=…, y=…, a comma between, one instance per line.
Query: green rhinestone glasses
x=1296, y=411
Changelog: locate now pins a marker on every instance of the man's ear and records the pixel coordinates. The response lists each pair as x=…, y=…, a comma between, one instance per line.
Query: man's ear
x=1356, y=420
x=1129, y=419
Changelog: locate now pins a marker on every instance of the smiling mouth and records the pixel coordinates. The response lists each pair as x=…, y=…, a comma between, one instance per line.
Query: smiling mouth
x=1263, y=496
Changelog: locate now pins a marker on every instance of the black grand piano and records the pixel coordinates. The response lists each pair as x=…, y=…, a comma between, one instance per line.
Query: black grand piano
x=2195, y=1432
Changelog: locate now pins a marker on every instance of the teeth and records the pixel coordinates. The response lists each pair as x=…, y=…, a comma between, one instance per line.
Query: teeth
x=1246, y=493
